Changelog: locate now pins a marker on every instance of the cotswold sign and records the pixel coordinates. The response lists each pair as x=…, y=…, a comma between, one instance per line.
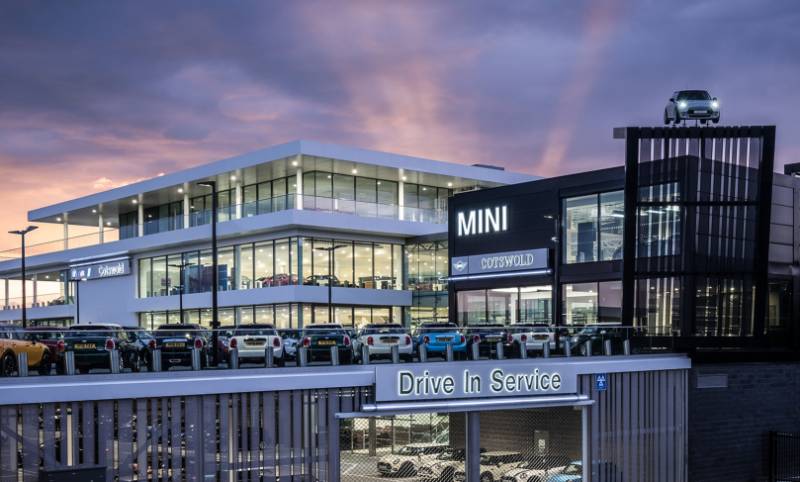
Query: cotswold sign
x=528, y=259
x=482, y=221
x=108, y=269
x=472, y=380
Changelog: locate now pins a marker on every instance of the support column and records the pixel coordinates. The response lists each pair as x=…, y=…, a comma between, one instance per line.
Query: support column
x=401, y=197
x=34, y=291
x=586, y=459
x=298, y=202
x=101, y=228
x=237, y=194
x=473, y=446
x=373, y=433
x=140, y=216
x=186, y=206
x=5, y=296
x=65, y=217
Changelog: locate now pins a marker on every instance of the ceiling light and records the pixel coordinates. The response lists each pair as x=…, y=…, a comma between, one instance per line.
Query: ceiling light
x=355, y=171
x=295, y=163
x=233, y=178
x=449, y=184
x=135, y=201
x=180, y=190
x=108, y=223
x=405, y=178
x=58, y=219
x=94, y=211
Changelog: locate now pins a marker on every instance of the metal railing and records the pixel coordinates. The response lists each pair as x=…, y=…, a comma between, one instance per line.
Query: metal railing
x=784, y=457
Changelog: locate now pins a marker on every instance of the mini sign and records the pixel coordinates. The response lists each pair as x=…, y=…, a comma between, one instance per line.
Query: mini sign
x=482, y=221
x=472, y=380
x=108, y=269
x=508, y=261
x=601, y=382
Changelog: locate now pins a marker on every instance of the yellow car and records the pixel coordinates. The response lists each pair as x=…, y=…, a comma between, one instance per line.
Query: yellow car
x=12, y=342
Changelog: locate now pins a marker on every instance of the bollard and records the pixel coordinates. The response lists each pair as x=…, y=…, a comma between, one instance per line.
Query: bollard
x=364, y=354
x=69, y=362
x=523, y=347
x=449, y=352
x=113, y=360
x=269, y=357
x=155, y=362
x=196, y=359
x=423, y=353
x=626, y=347
x=22, y=364
x=587, y=348
x=607, y=348
x=395, y=354
x=499, y=350
x=567, y=348
x=233, y=358
x=546, y=349
x=334, y=355
x=302, y=356
x=476, y=349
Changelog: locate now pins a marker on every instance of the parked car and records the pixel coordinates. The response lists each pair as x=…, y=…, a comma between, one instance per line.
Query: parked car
x=380, y=338
x=92, y=342
x=47, y=335
x=290, y=340
x=436, y=337
x=442, y=468
x=409, y=458
x=279, y=279
x=251, y=341
x=533, y=336
x=176, y=343
x=493, y=465
x=487, y=336
x=141, y=338
x=597, y=334
x=319, y=338
x=321, y=280
x=536, y=469
x=691, y=104
x=13, y=341
x=571, y=473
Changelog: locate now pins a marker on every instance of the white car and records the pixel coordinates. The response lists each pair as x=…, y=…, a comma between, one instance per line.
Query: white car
x=409, y=459
x=442, y=468
x=493, y=465
x=533, y=336
x=691, y=104
x=252, y=340
x=536, y=469
x=380, y=338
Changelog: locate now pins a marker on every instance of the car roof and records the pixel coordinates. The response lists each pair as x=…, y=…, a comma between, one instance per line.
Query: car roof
x=177, y=326
x=88, y=326
x=501, y=452
x=426, y=444
x=257, y=325
x=324, y=325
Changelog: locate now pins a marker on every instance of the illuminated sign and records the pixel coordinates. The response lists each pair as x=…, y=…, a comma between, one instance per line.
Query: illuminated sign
x=472, y=380
x=528, y=259
x=482, y=221
x=107, y=269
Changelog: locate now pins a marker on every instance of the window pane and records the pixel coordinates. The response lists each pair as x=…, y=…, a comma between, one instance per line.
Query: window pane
x=250, y=200
x=612, y=217
x=580, y=303
x=245, y=263
x=366, y=195
x=227, y=268
x=535, y=304
x=383, y=266
x=343, y=263
x=308, y=258
x=471, y=307
x=263, y=314
x=381, y=315
x=502, y=304
x=206, y=269
x=174, y=274
x=244, y=315
x=387, y=199
x=264, y=270
x=279, y=194
x=363, y=265
x=160, y=280
x=427, y=197
x=580, y=222
x=361, y=317
x=321, y=263
x=321, y=314
x=343, y=315
x=323, y=184
x=609, y=301
x=397, y=267
x=265, y=197
x=282, y=316
x=343, y=187
x=283, y=270
x=192, y=272
x=145, y=280
x=410, y=195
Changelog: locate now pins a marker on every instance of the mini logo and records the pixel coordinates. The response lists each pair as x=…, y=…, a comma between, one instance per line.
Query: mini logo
x=460, y=265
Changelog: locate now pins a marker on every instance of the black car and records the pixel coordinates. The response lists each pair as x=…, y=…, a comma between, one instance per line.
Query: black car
x=91, y=343
x=487, y=336
x=319, y=339
x=176, y=343
x=141, y=338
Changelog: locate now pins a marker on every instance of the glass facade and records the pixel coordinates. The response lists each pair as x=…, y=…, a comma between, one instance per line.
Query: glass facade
x=427, y=269
x=527, y=304
x=593, y=227
x=287, y=315
x=595, y=302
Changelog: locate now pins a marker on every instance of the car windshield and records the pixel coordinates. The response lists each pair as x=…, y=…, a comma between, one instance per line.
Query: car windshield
x=572, y=469
x=92, y=331
x=437, y=327
x=384, y=330
x=693, y=95
x=176, y=331
x=255, y=331
x=43, y=335
x=324, y=331
x=541, y=329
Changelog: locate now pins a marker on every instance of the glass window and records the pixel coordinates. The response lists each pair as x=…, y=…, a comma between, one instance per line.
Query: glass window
x=609, y=301
x=580, y=303
x=427, y=197
x=779, y=306
x=501, y=305
x=227, y=316
x=283, y=265
x=535, y=304
x=383, y=266
x=410, y=198
x=343, y=193
x=227, y=268
x=343, y=263
x=321, y=314
x=321, y=253
x=250, y=200
x=279, y=200
x=174, y=274
x=366, y=195
x=323, y=184
x=206, y=270
x=244, y=255
x=471, y=307
x=145, y=278
x=264, y=314
x=580, y=228
x=192, y=273
x=265, y=197
x=343, y=315
x=264, y=269
x=363, y=265
x=244, y=315
x=361, y=317
x=381, y=315
x=307, y=261
x=612, y=220
x=160, y=280
x=283, y=316
x=397, y=267
x=387, y=199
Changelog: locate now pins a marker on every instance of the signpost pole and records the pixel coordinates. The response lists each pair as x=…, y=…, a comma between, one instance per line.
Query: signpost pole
x=473, y=446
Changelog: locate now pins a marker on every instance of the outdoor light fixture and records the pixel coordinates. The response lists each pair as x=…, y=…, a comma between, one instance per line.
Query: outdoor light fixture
x=58, y=219
x=21, y=233
x=355, y=171
x=180, y=190
x=295, y=163
x=233, y=178
x=214, y=271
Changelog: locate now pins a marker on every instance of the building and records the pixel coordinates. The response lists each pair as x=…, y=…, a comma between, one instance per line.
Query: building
x=692, y=246
x=282, y=211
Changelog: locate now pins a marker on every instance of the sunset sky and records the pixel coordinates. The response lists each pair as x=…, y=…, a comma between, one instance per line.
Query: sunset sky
x=97, y=94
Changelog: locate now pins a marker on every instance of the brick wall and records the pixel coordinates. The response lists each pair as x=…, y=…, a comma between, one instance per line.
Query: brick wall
x=728, y=426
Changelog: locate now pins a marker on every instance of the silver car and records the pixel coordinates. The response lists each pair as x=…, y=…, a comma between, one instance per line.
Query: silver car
x=691, y=104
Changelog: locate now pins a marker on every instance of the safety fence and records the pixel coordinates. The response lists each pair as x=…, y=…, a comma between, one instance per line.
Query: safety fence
x=784, y=457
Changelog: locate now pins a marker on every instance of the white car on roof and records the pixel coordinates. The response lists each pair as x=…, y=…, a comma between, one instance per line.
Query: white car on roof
x=380, y=338
x=251, y=342
x=406, y=461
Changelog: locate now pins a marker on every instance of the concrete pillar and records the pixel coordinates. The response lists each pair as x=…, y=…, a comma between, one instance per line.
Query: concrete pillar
x=34, y=291
x=401, y=198
x=373, y=434
x=65, y=218
x=298, y=202
x=586, y=459
x=186, y=205
x=237, y=194
x=473, y=446
x=140, y=215
x=5, y=294
x=101, y=231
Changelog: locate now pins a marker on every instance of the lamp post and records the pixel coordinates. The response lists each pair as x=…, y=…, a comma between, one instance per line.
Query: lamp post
x=21, y=233
x=330, y=249
x=78, y=300
x=215, y=272
x=181, y=267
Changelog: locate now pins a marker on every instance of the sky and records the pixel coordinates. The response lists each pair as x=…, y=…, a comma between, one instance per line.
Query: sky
x=97, y=94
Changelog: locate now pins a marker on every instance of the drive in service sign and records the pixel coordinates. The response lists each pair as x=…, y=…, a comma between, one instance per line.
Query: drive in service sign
x=473, y=380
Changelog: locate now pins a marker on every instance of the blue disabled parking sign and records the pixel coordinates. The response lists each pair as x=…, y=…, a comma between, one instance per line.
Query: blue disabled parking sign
x=601, y=382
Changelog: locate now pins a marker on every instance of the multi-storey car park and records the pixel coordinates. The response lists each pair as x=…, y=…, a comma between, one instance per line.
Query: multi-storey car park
x=282, y=212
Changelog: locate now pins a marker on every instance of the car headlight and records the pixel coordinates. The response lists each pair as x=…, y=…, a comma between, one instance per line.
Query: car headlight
x=682, y=104
x=715, y=104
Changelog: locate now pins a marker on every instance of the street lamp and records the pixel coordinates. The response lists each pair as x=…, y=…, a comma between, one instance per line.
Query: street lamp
x=181, y=267
x=330, y=250
x=21, y=233
x=215, y=272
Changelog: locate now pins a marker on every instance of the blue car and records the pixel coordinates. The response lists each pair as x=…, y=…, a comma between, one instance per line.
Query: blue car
x=438, y=335
x=571, y=473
